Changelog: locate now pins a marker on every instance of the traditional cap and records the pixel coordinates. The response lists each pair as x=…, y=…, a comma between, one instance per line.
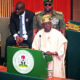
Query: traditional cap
x=47, y=0
x=45, y=18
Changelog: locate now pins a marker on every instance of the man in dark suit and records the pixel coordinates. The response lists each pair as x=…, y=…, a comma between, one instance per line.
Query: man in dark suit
x=20, y=27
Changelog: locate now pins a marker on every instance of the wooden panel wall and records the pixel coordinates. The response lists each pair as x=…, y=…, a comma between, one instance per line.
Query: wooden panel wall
x=6, y=7
x=76, y=10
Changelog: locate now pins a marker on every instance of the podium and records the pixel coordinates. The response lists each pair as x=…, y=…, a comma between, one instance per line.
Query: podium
x=27, y=62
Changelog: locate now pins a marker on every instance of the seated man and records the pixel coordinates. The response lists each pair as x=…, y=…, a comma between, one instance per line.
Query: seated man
x=20, y=27
x=53, y=43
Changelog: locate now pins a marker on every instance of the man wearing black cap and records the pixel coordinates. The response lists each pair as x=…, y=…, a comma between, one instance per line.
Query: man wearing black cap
x=57, y=18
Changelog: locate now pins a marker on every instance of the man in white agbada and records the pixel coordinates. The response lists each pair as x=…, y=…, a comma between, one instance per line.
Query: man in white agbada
x=52, y=42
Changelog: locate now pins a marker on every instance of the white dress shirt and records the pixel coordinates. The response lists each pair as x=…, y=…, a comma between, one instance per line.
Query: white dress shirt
x=25, y=36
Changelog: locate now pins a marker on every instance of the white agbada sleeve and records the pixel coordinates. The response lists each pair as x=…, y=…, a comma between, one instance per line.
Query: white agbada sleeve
x=37, y=41
x=62, y=45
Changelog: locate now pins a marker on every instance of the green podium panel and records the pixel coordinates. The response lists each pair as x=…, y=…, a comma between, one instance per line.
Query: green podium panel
x=27, y=62
x=73, y=54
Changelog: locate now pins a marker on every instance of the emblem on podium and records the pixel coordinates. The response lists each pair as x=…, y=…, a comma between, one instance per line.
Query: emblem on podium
x=23, y=61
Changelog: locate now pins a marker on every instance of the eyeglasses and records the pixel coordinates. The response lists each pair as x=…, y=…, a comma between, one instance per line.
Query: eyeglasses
x=18, y=8
x=47, y=4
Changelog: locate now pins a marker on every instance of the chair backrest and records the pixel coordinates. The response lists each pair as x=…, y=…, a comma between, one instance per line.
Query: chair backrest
x=4, y=30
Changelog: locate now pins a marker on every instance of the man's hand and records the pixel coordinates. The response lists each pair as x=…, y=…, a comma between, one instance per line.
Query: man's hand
x=19, y=40
x=51, y=53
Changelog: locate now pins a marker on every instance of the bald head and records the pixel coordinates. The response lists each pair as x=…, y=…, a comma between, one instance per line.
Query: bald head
x=20, y=4
x=20, y=7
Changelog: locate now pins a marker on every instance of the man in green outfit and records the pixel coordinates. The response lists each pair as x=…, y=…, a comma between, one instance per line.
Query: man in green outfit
x=57, y=18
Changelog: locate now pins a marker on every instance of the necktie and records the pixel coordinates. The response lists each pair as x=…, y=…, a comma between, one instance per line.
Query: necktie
x=20, y=26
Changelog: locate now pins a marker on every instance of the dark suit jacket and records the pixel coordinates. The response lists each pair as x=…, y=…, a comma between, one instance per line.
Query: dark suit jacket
x=14, y=23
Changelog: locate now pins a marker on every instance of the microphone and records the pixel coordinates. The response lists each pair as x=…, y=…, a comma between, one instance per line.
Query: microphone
x=39, y=42
x=40, y=36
